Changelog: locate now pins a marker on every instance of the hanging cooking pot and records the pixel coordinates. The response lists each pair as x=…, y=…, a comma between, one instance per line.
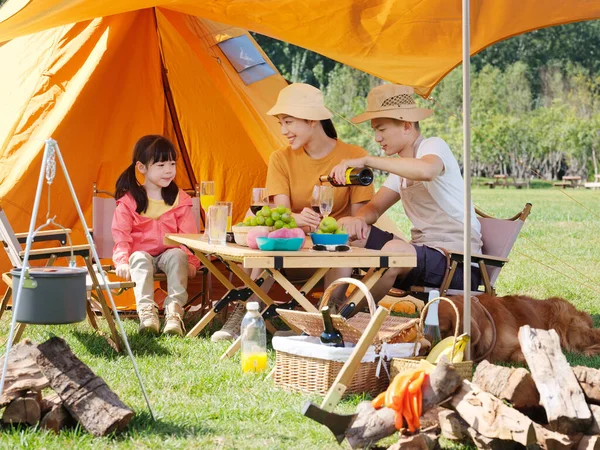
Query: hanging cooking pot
x=51, y=295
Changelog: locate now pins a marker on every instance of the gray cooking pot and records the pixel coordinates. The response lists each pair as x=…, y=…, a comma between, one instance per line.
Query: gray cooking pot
x=51, y=295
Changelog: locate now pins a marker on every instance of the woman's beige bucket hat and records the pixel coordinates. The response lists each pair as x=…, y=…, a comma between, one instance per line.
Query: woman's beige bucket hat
x=302, y=101
x=392, y=101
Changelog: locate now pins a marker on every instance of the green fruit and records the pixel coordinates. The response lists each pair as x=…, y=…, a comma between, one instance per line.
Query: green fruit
x=286, y=217
x=253, y=222
x=340, y=231
x=258, y=213
x=240, y=224
x=266, y=211
x=289, y=211
x=281, y=209
x=286, y=225
x=293, y=223
x=279, y=224
x=319, y=231
x=275, y=216
x=247, y=221
x=269, y=222
x=260, y=220
x=328, y=225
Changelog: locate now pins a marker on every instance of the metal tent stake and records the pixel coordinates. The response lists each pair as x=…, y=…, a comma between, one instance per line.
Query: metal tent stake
x=51, y=147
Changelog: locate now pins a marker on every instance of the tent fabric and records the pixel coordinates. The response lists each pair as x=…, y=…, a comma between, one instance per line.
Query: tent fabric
x=413, y=42
x=97, y=86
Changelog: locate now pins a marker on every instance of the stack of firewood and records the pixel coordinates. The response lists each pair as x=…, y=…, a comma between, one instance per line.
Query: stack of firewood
x=552, y=406
x=76, y=394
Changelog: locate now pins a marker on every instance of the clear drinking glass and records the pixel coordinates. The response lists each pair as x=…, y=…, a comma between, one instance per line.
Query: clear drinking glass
x=326, y=200
x=217, y=224
x=229, y=206
x=315, y=201
x=207, y=198
x=259, y=199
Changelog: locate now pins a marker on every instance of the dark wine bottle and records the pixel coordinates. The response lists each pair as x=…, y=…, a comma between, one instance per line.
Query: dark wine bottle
x=355, y=176
x=330, y=336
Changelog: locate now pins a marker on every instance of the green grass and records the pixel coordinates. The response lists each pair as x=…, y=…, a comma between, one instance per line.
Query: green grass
x=202, y=402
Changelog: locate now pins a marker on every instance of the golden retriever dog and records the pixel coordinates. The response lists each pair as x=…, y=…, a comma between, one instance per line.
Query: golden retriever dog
x=575, y=328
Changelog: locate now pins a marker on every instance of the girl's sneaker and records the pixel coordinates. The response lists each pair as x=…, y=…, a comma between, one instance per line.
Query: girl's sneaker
x=174, y=320
x=149, y=322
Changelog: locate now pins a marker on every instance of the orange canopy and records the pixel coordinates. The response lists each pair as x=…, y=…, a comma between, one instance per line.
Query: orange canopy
x=414, y=42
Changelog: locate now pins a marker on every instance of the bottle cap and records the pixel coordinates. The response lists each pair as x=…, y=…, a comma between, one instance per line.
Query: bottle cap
x=252, y=306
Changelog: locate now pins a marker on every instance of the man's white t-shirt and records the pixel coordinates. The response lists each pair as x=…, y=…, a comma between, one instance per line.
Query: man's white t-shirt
x=446, y=189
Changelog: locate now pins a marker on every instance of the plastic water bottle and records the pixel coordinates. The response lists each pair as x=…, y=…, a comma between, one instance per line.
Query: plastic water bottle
x=432, y=320
x=254, y=340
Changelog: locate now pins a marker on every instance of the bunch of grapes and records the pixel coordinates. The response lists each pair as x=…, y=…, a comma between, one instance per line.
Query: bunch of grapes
x=279, y=217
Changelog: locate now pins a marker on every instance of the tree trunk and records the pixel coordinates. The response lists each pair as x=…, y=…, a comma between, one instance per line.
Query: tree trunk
x=23, y=373
x=85, y=395
x=513, y=385
x=589, y=380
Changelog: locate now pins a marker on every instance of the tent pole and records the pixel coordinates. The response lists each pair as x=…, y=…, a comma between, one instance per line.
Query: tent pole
x=466, y=52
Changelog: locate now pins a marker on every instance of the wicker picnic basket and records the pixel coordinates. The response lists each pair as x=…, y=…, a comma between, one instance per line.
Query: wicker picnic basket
x=464, y=368
x=316, y=375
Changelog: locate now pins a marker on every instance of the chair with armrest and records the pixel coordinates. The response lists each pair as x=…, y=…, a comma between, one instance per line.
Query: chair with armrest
x=11, y=242
x=103, y=207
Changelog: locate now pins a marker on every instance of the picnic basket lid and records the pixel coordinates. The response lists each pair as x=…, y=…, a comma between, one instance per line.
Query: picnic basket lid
x=393, y=330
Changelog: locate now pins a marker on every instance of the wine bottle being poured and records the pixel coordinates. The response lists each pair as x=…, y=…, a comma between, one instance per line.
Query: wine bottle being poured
x=355, y=176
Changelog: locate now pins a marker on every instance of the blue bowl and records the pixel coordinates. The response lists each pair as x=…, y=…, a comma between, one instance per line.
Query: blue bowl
x=279, y=244
x=329, y=239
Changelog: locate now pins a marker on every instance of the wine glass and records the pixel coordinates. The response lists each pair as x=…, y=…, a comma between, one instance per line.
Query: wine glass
x=207, y=197
x=326, y=200
x=315, y=201
x=259, y=199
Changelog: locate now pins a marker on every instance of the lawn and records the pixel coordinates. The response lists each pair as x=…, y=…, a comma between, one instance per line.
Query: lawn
x=203, y=403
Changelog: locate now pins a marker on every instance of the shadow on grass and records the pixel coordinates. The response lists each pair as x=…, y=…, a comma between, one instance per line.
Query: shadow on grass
x=140, y=345
x=596, y=320
x=143, y=425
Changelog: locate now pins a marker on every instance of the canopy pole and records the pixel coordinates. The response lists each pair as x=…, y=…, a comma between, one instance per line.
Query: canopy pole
x=466, y=47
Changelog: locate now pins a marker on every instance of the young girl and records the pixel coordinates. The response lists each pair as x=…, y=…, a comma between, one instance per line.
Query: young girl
x=144, y=214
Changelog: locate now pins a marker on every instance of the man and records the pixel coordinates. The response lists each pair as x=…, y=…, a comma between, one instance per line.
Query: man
x=426, y=177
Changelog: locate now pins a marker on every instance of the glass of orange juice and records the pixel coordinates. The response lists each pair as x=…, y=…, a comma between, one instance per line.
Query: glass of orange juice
x=229, y=212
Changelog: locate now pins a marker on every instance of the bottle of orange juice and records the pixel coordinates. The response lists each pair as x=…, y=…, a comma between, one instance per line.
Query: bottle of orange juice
x=254, y=340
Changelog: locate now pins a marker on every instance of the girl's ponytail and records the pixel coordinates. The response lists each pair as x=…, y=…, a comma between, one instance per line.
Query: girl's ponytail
x=127, y=182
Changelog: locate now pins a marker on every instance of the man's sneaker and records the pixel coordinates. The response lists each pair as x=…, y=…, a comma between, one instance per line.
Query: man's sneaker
x=174, y=320
x=149, y=322
x=231, y=330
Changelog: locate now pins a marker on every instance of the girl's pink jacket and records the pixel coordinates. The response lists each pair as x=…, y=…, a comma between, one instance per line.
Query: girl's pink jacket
x=133, y=232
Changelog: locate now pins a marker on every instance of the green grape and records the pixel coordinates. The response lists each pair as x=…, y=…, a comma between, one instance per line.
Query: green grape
x=292, y=223
x=286, y=225
x=269, y=222
x=240, y=224
x=258, y=213
x=266, y=211
x=275, y=216
x=278, y=224
x=253, y=222
x=288, y=211
x=247, y=221
x=286, y=217
x=260, y=220
x=281, y=209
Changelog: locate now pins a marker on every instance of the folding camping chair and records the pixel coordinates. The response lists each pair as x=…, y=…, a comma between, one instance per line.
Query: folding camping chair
x=103, y=208
x=12, y=241
x=498, y=236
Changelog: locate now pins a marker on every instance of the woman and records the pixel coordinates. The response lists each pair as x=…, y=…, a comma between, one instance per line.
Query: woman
x=313, y=150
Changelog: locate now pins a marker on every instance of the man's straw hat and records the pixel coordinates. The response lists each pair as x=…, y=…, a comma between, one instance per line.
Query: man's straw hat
x=302, y=101
x=394, y=102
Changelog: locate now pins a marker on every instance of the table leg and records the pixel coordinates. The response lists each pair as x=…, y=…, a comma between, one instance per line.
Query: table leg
x=291, y=289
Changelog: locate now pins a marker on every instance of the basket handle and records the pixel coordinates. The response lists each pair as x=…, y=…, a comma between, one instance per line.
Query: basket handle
x=422, y=323
x=357, y=283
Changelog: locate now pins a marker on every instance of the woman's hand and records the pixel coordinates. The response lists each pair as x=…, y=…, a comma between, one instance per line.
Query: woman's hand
x=338, y=173
x=307, y=218
x=191, y=270
x=356, y=227
x=122, y=271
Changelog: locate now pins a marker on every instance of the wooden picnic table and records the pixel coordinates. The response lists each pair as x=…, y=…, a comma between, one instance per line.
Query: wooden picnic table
x=569, y=181
x=272, y=263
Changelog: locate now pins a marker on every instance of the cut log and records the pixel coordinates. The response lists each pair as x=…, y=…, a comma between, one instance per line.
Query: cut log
x=23, y=373
x=485, y=443
x=589, y=443
x=85, y=395
x=589, y=380
x=514, y=385
x=560, y=393
x=551, y=440
x=422, y=441
x=595, y=427
x=490, y=416
x=49, y=402
x=372, y=425
x=24, y=409
x=453, y=427
x=57, y=419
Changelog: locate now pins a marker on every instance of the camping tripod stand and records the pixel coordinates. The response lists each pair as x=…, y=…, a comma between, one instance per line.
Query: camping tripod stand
x=48, y=170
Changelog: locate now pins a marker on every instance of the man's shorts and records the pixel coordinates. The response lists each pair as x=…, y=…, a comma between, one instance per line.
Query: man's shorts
x=431, y=265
